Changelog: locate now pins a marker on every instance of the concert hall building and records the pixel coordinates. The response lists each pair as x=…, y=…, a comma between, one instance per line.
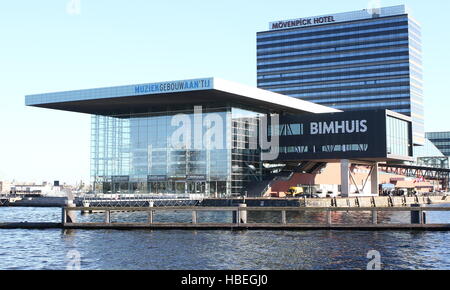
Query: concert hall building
x=218, y=138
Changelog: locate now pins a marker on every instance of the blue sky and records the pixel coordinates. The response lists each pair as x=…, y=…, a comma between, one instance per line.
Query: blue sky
x=47, y=47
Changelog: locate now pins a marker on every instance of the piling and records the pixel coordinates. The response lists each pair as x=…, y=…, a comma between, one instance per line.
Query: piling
x=329, y=220
x=107, y=216
x=150, y=213
x=69, y=216
x=419, y=216
x=283, y=217
x=240, y=215
x=374, y=217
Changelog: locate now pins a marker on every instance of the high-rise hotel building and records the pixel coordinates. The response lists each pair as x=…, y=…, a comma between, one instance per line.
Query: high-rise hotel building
x=366, y=59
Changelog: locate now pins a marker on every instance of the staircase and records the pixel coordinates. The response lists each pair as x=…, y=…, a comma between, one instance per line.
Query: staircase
x=257, y=188
x=291, y=175
x=311, y=167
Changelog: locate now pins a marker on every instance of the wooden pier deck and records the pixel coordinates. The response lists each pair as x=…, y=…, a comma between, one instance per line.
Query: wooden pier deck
x=240, y=219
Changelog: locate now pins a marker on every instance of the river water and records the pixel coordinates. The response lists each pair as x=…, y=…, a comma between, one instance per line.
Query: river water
x=211, y=250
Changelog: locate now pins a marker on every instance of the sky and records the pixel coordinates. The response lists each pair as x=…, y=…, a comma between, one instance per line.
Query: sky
x=59, y=45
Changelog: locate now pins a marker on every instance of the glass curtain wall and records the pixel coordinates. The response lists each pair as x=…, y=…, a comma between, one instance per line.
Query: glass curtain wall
x=175, y=152
x=397, y=136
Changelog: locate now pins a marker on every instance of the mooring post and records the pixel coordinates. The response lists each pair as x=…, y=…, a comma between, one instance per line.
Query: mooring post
x=329, y=221
x=150, y=213
x=283, y=217
x=240, y=214
x=243, y=213
x=68, y=216
x=108, y=216
x=194, y=217
x=63, y=215
x=150, y=217
x=374, y=217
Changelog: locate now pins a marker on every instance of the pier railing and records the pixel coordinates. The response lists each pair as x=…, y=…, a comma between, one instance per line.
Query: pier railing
x=239, y=218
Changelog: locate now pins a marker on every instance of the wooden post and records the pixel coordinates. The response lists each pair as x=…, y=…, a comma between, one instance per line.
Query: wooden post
x=374, y=217
x=150, y=217
x=63, y=216
x=71, y=216
x=150, y=213
x=283, y=217
x=236, y=217
x=329, y=221
x=194, y=217
x=108, y=217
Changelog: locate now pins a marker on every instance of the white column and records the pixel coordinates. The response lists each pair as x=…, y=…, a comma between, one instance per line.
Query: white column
x=374, y=179
x=345, y=174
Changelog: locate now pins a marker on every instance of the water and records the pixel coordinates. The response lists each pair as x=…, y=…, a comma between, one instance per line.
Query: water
x=248, y=250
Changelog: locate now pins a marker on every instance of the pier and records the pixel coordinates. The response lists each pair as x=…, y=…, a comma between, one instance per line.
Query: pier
x=240, y=221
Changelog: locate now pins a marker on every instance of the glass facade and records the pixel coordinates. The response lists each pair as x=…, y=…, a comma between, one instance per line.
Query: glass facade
x=397, y=133
x=175, y=152
x=373, y=63
x=441, y=140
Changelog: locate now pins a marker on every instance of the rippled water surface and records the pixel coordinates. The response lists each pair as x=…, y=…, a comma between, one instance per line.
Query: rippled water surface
x=144, y=249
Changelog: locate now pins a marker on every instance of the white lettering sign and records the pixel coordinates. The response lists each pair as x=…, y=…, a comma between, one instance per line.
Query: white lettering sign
x=338, y=127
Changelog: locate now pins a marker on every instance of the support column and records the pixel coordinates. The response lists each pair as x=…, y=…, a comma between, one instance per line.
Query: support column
x=374, y=179
x=345, y=174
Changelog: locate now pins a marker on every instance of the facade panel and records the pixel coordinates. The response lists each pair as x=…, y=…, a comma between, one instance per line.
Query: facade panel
x=375, y=134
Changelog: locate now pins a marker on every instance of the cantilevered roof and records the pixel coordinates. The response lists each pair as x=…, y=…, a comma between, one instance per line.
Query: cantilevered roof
x=142, y=97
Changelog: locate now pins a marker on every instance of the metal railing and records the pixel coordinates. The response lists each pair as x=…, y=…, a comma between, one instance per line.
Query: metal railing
x=137, y=200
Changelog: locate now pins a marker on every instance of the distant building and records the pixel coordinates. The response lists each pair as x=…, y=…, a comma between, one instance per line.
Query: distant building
x=441, y=140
